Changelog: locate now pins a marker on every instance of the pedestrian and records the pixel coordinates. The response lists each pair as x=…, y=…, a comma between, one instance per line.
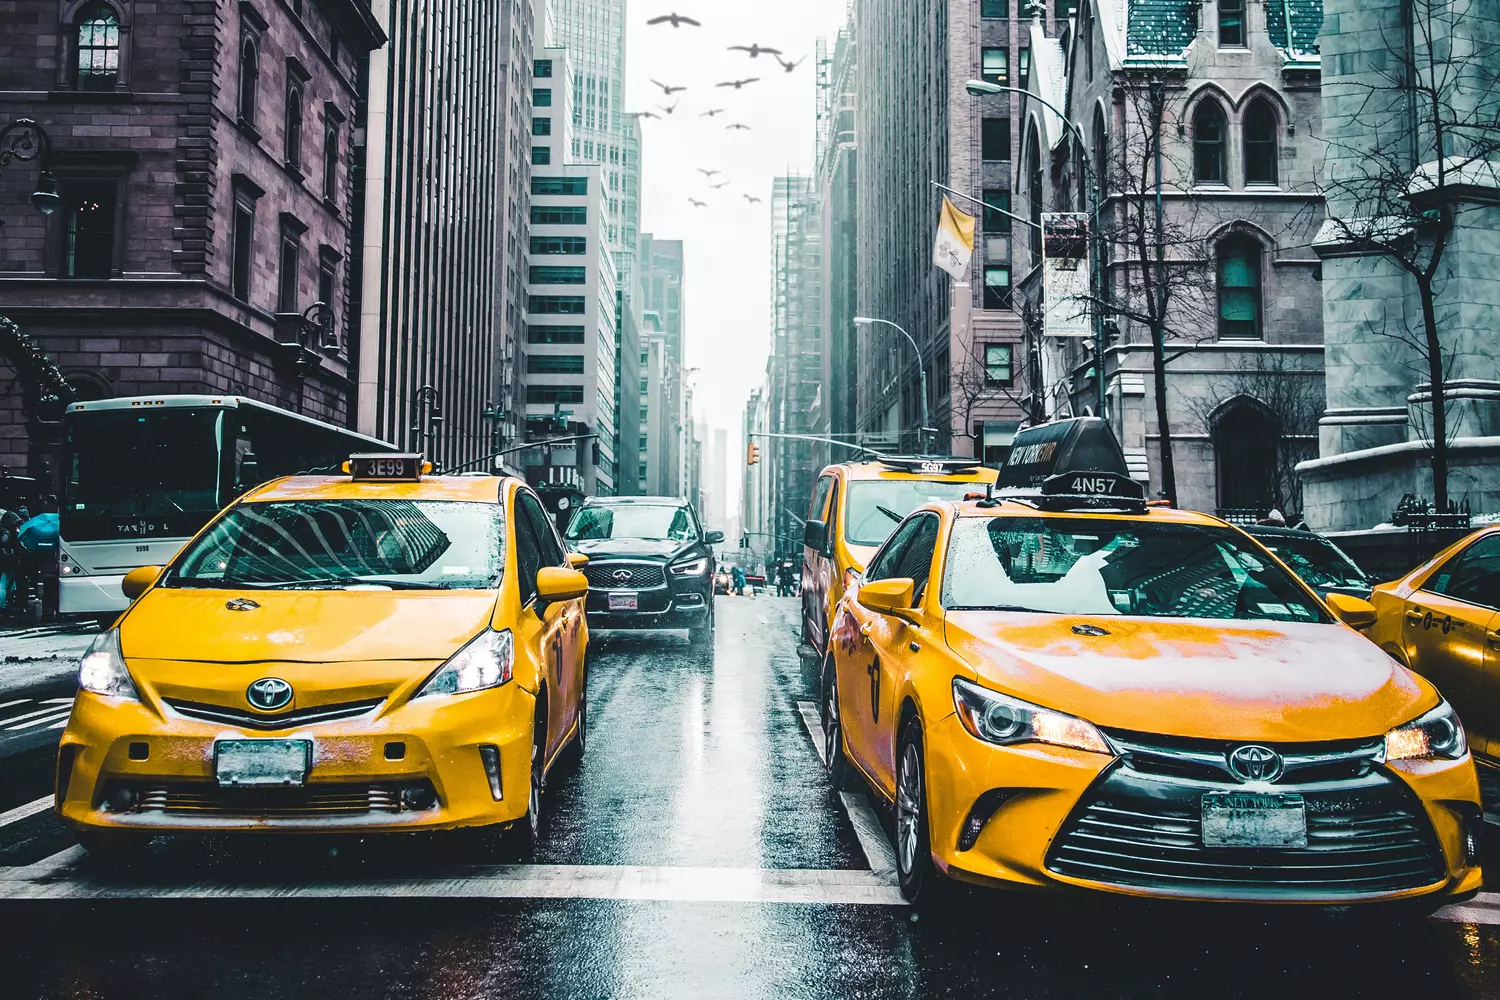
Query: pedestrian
x=10, y=556
x=737, y=580
x=784, y=579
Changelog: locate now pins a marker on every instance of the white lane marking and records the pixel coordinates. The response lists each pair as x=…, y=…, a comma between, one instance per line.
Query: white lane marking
x=29, y=809
x=872, y=839
x=53, y=701
x=27, y=715
x=628, y=882
x=11, y=704
x=58, y=725
x=42, y=721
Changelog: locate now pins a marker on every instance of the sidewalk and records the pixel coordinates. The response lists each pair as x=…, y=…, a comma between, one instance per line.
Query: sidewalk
x=41, y=656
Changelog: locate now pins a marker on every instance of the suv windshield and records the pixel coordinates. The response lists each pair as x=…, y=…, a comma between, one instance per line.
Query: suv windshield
x=877, y=506
x=1094, y=566
x=333, y=544
x=653, y=521
x=1320, y=563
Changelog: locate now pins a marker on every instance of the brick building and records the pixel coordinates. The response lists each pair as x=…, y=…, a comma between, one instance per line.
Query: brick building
x=207, y=160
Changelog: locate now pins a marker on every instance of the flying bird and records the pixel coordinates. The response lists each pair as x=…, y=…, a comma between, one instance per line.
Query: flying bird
x=647, y=114
x=667, y=88
x=710, y=114
x=708, y=173
x=736, y=127
x=698, y=204
x=739, y=84
x=675, y=20
x=752, y=199
x=718, y=186
x=791, y=66
x=755, y=50
x=668, y=110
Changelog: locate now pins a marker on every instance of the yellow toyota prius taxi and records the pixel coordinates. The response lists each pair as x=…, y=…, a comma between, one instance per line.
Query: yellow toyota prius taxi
x=1063, y=687
x=380, y=651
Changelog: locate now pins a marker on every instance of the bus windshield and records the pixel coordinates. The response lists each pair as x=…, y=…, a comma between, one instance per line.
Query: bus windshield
x=136, y=473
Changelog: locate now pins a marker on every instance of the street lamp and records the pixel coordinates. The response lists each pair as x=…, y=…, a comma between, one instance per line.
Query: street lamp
x=864, y=322
x=25, y=140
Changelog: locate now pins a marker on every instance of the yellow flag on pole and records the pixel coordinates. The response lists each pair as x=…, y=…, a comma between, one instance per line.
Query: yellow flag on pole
x=955, y=241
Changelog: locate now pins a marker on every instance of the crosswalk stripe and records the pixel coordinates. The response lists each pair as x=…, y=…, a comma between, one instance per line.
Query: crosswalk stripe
x=29, y=809
x=12, y=704
x=56, y=701
x=27, y=715
x=53, y=717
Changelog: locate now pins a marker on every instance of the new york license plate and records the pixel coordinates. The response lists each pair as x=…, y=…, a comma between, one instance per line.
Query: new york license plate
x=624, y=602
x=247, y=763
x=1254, y=819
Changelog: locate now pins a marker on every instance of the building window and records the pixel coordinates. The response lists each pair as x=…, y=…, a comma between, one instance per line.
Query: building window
x=995, y=222
x=554, y=364
x=1231, y=24
x=574, y=245
x=997, y=364
x=293, y=139
x=291, y=265
x=542, y=68
x=1210, y=134
x=541, y=97
x=559, y=275
x=541, y=126
x=1033, y=166
x=1239, y=288
x=98, y=57
x=541, y=155
x=90, y=229
x=1023, y=67
x=1101, y=151
x=242, y=248
x=328, y=270
x=560, y=185
x=1261, y=123
x=549, y=394
x=557, y=305
x=1063, y=9
x=994, y=8
x=554, y=335
x=997, y=286
x=544, y=215
x=995, y=139
x=249, y=79
x=330, y=161
x=994, y=65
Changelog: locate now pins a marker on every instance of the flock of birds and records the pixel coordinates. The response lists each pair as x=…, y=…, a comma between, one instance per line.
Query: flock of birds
x=754, y=51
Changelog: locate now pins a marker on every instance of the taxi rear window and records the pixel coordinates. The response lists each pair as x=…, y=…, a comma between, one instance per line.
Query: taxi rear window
x=1096, y=566
x=876, y=506
x=353, y=543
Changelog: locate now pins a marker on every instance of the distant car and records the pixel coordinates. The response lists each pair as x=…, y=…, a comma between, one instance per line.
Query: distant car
x=755, y=582
x=722, y=582
x=1322, y=565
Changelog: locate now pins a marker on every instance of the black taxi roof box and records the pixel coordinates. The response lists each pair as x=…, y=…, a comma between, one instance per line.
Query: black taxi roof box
x=929, y=465
x=386, y=468
x=1080, y=444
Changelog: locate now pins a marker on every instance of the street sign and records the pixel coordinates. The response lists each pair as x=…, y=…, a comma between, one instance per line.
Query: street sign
x=1065, y=274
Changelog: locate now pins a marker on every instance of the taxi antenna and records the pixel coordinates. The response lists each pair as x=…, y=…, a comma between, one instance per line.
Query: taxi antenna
x=989, y=497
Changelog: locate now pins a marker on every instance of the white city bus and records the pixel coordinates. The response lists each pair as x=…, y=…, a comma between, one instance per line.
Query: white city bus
x=142, y=474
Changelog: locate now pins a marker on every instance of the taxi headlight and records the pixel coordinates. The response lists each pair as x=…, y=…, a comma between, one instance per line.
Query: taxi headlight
x=1438, y=733
x=693, y=567
x=1003, y=720
x=102, y=669
x=486, y=662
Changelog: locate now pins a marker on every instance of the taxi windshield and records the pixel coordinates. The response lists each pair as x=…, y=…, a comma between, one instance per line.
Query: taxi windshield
x=1097, y=566
x=877, y=506
x=1320, y=563
x=651, y=521
x=335, y=544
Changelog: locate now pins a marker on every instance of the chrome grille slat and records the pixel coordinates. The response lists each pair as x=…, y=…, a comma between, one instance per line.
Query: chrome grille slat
x=203, y=799
x=284, y=720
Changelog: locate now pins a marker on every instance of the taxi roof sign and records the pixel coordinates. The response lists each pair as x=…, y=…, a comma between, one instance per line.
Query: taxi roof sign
x=1080, y=444
x=929, y=465
x=386, y=468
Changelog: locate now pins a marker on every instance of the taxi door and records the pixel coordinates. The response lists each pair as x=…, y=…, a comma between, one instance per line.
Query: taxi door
x=815, y=571
x=538, y=631
x=565, y=621
x=1449, y=636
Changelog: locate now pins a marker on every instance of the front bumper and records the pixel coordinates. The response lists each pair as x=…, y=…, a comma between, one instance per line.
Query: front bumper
x=353, y=784
x=1072, y=819
x=661, y=609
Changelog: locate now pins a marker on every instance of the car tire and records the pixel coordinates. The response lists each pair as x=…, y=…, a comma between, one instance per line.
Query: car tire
x=521, y=840
x=703, y=635
x=921, y=883
x=112, y=847
x=841, y=776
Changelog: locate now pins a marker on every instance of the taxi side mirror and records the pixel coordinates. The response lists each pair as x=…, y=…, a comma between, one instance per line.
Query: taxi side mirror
x=1353, y=611
x=138, y=581
x=554, y=585
x=890, y=597
x=577, y=560
x=815, y=535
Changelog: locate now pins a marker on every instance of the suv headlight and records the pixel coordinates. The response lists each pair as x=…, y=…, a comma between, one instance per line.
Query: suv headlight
x=102, y=669
x=486, y=662
x=693, y=567
x=1438, y=733
x=1003, y=720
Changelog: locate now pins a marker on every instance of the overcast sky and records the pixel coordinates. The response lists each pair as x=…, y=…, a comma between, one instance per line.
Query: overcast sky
x=728, y=298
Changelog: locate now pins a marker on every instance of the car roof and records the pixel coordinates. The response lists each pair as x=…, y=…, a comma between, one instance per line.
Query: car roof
x=1011, y=507
x=469, y=489
x=1270, y=530
x=875, y=471
x=635, y=501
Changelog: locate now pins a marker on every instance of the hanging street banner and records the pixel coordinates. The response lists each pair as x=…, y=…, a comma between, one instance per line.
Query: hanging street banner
x=1065, y=274
x=955, y=241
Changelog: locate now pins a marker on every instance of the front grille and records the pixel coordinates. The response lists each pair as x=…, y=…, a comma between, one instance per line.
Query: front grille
x=246, y=719
x=1142, y=829
x=206, y=799
x=1208, y=760
x=625, y=576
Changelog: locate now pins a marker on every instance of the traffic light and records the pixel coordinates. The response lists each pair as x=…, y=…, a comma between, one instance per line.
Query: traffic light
x=752, y=454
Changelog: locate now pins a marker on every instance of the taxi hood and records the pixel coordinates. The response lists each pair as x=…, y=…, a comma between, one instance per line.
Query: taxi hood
x=300, y=626
x=1261, y=680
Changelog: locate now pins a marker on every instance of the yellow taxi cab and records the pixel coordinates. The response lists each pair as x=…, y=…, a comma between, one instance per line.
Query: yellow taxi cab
x=1064, y=687
x=855, y=507
x=1443, y=620
x=379, y=651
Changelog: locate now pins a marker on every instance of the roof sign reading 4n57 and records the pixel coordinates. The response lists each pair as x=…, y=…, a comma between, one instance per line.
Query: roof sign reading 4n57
x=1065, y=274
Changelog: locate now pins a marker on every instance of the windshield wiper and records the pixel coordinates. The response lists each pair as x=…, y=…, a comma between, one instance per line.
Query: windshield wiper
x=995, y=607
x=889, y=513
x=350, y=581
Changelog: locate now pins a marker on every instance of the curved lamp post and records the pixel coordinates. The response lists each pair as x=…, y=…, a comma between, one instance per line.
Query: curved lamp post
x=865, y=322
x=25, y=140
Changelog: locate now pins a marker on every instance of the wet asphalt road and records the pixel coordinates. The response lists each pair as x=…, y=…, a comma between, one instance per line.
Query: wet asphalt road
x=701, y=785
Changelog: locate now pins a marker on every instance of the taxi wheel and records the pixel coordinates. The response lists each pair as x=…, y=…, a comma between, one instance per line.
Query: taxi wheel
x=523, y=836
x=921, y=883
x=835, y=763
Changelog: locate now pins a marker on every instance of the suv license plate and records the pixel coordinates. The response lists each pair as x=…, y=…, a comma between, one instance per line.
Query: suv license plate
x=1254, y=819
x=275, y=763
x=624, y=602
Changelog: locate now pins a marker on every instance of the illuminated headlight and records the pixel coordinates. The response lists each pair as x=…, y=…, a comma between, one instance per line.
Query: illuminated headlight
x=694, y=567
x=102, y=669
x=997, y=718
x=1435, y=734
x=486, y=662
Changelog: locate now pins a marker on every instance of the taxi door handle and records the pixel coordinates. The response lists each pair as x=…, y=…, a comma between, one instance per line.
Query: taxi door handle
x=1494, y=637
x=1414, y=615
x=915, y=647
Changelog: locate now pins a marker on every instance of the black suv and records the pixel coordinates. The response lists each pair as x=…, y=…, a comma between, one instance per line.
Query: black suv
x=650, y=565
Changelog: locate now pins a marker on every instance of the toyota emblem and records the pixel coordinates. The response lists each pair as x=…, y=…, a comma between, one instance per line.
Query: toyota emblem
x=269, y=693
x=241, y=604
x=622, y=576
x=1256, y=763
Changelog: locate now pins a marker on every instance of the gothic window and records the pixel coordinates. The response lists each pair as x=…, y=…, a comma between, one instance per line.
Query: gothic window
x=1210, y=137
x=1239, y=288
x=249, y=79
x=1034, y=190
x=1247, y=439
x=1101, y=151
x=98, y=53
x=1260, y=142
x=294, y=125
x=330, y=161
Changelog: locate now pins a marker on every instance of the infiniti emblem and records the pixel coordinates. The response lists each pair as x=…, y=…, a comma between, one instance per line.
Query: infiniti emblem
x=1256, y=763
x=622, y=576
x=241, y=604
x=269, y=693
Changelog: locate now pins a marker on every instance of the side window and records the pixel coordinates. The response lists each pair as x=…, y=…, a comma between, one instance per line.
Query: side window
x=1472, y=576
x=528, y=551
x=833, y=511
x=550, y=549
x=887, y=562
x=916, y=560
x=820, y=499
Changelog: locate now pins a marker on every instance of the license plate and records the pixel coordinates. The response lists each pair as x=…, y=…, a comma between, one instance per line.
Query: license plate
x=243, y=763
x=624, y=602
x=1254, y=819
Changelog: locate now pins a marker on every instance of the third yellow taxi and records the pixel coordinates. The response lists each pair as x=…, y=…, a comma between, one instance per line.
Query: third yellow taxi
x=1063, y=687
x=377, y=651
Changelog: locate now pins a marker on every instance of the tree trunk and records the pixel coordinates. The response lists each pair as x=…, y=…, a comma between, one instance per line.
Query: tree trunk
x=1163, y=427
x=1439, y=397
